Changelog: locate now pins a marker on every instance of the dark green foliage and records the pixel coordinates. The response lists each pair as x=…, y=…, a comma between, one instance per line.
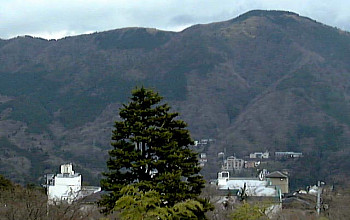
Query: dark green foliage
x=335, y=104
x=37, y=98
x=34, y=94
x=265, y=13
x=139, y=38
x=250, y=212
x=26, y=83
x=151, y=151
x=30, y=111
x=2, y=43
x=178, y=83
x=330, y=99
x=116, y=88
x=79, y=109
x=307, y=170
x=5, y=184
x=36, y=156
x=332, y=138
x=326, y=140
x=305, y=131
x=300, y=79
x=336, y=44
x=139, y=205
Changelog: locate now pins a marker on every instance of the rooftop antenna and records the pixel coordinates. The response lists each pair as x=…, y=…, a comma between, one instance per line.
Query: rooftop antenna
x=223, y=158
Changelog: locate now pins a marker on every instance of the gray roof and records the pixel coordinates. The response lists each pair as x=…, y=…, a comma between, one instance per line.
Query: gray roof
x=276, y=174
x=93, y=198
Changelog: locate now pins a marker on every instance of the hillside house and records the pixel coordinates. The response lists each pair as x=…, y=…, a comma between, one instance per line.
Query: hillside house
x=67, y=186
x=202, y=159
x=221, y=155
x=280, y=155
x=249, y=164
x=259, y=155
x=203, y=142
x=233, y=163
x=279, y=179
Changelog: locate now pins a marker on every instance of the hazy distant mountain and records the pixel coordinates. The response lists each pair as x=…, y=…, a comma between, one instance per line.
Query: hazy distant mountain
x=266, y=80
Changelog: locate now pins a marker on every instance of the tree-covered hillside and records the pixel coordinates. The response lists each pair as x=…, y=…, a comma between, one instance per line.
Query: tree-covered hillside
x=266, y=80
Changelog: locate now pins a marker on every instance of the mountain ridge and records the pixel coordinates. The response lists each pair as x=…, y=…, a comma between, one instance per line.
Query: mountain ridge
x=265, y=80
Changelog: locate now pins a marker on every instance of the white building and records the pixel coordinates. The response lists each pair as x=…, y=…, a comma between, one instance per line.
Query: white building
x=262, y=155
x=221, y=155
x=254, y=186
x=202, y=159
x=66, y=186
x=288, y=154
x=233, y=163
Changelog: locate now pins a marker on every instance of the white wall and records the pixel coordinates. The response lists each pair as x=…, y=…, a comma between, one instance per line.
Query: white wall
x=64, y=188
x=70, y=180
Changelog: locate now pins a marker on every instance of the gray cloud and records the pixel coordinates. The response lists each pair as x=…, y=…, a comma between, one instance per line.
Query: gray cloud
x=182, y=20
x=59, y=18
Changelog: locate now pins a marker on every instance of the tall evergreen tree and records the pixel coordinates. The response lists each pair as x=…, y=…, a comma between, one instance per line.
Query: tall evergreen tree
x=151, y=151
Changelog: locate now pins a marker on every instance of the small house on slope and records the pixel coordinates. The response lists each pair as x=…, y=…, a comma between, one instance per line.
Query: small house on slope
x=279, y=179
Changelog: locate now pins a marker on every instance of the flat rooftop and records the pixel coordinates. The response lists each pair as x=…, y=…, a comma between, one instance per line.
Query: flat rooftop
x=67, y=175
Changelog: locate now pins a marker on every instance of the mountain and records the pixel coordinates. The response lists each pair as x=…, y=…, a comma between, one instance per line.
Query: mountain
x=266, y=80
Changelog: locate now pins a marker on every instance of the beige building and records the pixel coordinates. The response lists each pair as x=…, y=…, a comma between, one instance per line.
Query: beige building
x=233, y=163
x=249, y=164
x=279, y=179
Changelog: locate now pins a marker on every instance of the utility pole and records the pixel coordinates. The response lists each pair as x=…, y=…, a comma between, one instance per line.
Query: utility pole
x=318, y=205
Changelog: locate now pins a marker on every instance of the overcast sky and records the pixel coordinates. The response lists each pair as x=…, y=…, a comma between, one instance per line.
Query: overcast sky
x=58, y=18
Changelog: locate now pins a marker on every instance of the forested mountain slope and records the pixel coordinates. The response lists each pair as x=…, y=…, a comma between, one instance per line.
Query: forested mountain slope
x=266, y=80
